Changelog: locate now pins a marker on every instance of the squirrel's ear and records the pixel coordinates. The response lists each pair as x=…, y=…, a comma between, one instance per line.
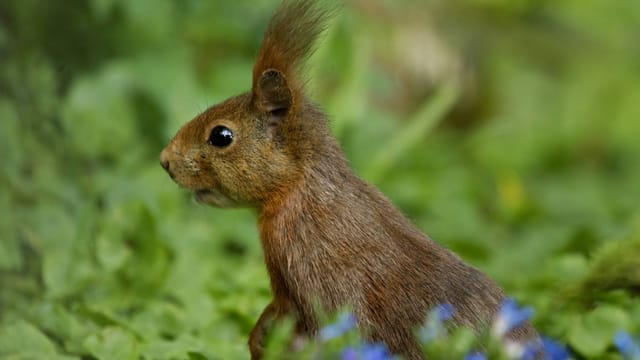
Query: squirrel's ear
x=272, y=93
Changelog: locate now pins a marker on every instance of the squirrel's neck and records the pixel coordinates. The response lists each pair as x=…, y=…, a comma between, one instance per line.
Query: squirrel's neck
x=323, y=175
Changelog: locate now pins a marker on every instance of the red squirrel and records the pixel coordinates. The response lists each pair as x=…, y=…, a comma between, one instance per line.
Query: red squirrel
x=328, y=237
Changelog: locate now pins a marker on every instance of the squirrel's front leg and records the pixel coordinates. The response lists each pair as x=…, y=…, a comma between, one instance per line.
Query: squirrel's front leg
x=256, y=338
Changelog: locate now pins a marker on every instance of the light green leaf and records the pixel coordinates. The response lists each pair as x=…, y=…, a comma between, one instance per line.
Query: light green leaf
x=21, y=340
x=592, y=333
x=113, y=343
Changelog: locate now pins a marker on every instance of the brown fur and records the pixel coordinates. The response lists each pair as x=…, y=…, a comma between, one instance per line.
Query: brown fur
x=327, y=235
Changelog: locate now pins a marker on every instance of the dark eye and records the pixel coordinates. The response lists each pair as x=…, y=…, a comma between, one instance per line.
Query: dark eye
x=220, y=136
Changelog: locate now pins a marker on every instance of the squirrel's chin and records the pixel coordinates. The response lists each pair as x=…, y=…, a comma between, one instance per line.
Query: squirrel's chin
x=213, y=197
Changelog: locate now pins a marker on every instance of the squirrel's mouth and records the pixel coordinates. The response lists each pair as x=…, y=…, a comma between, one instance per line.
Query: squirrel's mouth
x=213, y=197
x=201, y=193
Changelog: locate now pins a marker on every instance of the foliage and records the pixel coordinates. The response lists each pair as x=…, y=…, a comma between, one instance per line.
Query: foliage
x=524, y=160
x=439, y=341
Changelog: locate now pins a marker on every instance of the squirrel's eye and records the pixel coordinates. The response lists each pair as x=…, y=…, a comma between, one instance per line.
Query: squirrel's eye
x=221, y=136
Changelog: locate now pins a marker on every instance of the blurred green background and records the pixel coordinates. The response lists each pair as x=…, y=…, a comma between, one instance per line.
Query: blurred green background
x=506, y=130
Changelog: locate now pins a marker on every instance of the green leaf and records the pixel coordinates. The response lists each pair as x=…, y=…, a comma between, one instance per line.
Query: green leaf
x=69, y=326
x=196, y=356
x=66, y=262
x=592, y=333
x=100, y=114
x=21, y=340
x=113, y=343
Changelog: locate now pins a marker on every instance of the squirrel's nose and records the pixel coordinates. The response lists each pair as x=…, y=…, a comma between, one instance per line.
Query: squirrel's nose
x=164, y=164
x=164, y=159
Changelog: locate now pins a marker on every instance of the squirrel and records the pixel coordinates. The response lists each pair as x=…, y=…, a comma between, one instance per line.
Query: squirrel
x=328, y=237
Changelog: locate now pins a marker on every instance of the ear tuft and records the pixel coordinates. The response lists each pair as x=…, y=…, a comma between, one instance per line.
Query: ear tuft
x=288, y=41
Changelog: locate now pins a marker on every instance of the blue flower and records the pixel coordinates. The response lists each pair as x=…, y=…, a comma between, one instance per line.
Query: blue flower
x=628, y=347
x=546, y=349
x=445, y=311
x=434, y=327
x=366, y=351
x=345, y=323
x=475, y=356
x=553, y=350
x=531, y=351
x=510, y=317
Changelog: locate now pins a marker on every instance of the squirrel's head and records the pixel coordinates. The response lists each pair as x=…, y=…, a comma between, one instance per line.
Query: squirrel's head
x=253, y=146
x=232, y=154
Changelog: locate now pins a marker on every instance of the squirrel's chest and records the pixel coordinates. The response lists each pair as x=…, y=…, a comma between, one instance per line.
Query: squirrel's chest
x=299, y=254
x=285, y=246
